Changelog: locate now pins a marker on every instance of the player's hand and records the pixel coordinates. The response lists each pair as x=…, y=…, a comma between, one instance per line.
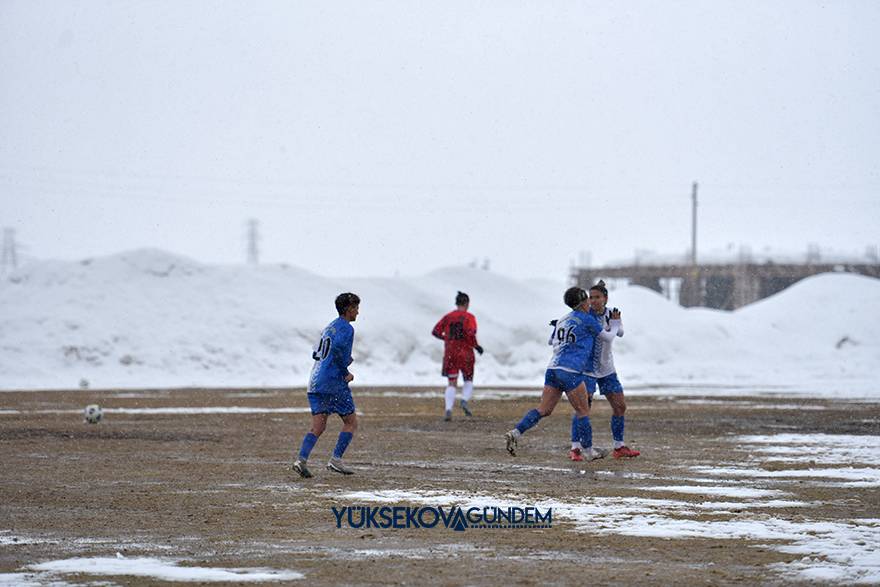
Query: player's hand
x=479, y=349
x=349, y=378
x=615, y=314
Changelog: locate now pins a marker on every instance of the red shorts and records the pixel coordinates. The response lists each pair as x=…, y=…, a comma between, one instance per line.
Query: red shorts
x=452, y=364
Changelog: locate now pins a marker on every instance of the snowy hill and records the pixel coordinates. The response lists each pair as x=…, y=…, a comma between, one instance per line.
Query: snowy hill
x=149, y=318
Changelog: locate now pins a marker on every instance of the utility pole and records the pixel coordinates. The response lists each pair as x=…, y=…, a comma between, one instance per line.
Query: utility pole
x=9, y=260
x=691, y=290
x=253, y=237
x=694, y=225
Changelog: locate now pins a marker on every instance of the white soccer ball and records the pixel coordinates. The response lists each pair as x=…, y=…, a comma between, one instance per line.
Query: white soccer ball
x=93, y=413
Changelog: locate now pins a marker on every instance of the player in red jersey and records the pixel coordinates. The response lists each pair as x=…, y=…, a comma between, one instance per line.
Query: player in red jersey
x=458, y=329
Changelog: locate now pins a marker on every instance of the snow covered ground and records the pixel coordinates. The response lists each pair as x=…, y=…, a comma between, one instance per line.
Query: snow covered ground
x=148, y=318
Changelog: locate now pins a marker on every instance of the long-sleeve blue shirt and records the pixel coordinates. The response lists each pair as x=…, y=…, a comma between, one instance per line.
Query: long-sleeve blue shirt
x=332, y=357
x=573, y=342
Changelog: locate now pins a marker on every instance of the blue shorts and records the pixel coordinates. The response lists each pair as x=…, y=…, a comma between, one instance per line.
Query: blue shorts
x=563, y=380
x=607, y=384
x=332, y=403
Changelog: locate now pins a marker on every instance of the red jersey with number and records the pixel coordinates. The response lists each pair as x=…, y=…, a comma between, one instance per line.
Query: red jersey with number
x=458, y=329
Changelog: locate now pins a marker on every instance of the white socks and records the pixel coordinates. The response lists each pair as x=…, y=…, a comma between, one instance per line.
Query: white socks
x=450, y=397
x=575, y=445
x=467, y=390
x=619, y=443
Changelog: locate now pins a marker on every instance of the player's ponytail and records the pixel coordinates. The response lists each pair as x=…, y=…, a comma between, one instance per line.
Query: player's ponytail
x=600, y=287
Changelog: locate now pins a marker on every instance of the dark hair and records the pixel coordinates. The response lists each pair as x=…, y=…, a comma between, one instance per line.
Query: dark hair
x=574, y=296
x=600, y=287
x=346, y=300
x=462, y=298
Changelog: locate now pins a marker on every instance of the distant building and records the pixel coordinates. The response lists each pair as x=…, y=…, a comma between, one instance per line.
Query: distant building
x=726, y=281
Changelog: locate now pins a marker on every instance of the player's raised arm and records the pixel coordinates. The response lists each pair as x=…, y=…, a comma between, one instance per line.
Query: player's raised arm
x=615, y=315
x=613, y=329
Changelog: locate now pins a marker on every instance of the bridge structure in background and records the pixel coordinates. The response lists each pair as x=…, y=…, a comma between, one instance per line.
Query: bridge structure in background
x=724, y=286
x=728, y=282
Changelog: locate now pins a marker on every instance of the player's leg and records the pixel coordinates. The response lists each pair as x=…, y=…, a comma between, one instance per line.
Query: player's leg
x=612, y=389
x=450, y=371
x=349, y=426
x=467, y=391
x=346, y=410
x=580, y=401
x=319, y=424
x=549, y=398
x=467, y=388
x=451, y=384
x=575, y=453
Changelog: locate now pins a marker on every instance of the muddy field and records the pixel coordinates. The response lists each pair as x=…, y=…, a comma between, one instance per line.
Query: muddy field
x=740, y=490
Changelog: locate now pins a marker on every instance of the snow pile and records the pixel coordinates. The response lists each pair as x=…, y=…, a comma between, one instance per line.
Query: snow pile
x=148, y=318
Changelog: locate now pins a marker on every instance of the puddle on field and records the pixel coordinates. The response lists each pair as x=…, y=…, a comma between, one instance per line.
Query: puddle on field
x=454, y=465
x=425, y=553
x=164, y=411
x=844, y=476
x=479, y=395
x=73, y=544
x=811, y=448
x=153, y=568
x=268, y=393
x=721, y=491
x=749, y=405
x=141, y=395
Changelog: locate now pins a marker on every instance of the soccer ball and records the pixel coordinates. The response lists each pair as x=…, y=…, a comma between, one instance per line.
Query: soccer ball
x=93, y=413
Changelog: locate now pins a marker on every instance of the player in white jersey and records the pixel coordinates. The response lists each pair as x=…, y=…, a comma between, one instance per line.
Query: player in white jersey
x=603, y=375
x=573, y=338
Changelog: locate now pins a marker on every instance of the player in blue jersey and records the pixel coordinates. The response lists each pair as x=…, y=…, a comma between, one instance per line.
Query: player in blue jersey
x=328, y=386
x=603, y=375
x=573, y=339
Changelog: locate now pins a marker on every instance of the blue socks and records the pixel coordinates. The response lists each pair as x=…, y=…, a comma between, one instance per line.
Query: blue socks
x=310, y=439
x=617, y=423
x=530, y=419
x=617, y=428
x=581, y=429
x=585, y=431
x=307, y=445
x=342, y=444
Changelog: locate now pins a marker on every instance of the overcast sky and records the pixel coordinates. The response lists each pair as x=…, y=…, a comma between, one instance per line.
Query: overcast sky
x=370, y=138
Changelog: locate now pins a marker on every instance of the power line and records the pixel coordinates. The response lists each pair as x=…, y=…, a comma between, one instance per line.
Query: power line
x=130, y=179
